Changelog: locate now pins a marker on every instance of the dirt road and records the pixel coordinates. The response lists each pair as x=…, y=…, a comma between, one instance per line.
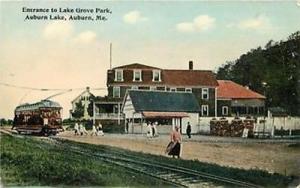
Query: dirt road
x=280, y=157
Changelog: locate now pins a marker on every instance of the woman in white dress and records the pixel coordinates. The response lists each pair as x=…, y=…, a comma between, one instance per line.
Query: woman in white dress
x=100, y=130
x=94, y=131
x=76, y=129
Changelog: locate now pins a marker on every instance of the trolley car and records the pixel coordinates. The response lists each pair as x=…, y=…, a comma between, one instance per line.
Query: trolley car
x=43, y=118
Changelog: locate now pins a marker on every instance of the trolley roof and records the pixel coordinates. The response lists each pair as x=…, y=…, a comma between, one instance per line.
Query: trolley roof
x=41, y=104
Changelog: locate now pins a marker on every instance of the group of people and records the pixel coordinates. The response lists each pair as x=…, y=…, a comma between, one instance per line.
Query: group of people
x=81, y=130
x=152, y=130
x=173, y=148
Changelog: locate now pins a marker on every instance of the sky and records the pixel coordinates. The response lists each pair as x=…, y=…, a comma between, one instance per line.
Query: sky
x=75, y=54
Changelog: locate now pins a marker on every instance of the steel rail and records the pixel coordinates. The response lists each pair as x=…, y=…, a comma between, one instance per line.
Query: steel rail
x=212, y=176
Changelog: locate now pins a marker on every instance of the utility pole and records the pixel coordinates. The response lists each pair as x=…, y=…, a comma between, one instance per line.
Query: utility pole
x=110, y=56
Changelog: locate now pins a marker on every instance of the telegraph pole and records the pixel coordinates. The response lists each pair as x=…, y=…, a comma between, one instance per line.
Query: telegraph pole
x=110, y=56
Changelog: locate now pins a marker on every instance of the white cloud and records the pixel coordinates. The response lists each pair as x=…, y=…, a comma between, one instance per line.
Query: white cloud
x=185, y=27
x=86, y=37
x=62, y=31
x=254, y=23
x=133, y=17
x=58, y=30
x=200, y=23
x=259, y=23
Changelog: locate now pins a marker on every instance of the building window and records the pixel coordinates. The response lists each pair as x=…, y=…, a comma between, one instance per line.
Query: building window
x=116, y=92
x=156, y=76
x=180, y=89
x=144, y=88
x=173, y=89
x=224, y=110
x=204, y=93
x=134, y=87
x=204, y=110
x=119, y=75
x=115, y=109
x=137, y=75
x=161, y=88
x=188, y=90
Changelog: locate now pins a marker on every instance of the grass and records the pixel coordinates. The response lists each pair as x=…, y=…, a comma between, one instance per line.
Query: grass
x=32, y=162
x=29, y=162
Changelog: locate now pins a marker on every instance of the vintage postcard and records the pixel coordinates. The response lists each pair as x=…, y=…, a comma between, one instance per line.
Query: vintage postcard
x=150, y=93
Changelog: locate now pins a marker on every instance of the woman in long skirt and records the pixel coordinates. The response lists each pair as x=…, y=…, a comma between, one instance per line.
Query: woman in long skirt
x=174, y=146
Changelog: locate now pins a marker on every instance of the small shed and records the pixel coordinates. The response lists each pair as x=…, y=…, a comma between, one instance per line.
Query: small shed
x=166, y=108
x=277, y=112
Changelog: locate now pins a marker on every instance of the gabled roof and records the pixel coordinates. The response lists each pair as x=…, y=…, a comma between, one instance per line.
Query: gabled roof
x=189, y=78
x=82, y=93
x=157, y=101
x=230, y=90
x=135, y=66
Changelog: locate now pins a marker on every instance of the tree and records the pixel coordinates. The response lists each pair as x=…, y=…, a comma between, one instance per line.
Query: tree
x=3, y=122
x=79, y=110
x=278, y=66
x=90, y=108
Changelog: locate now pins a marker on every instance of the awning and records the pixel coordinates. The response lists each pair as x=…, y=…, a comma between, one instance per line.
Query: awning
x=165, y=114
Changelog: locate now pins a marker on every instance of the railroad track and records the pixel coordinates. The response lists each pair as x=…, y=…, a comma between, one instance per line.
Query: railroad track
x=170, y=174
x=175, y=175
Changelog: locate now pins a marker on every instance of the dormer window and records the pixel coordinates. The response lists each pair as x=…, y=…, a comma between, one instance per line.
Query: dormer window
x=156, y=77
x=137, y=75
x=119, y=75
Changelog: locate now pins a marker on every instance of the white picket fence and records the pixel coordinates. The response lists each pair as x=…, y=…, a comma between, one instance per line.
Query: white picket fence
x=203, y=126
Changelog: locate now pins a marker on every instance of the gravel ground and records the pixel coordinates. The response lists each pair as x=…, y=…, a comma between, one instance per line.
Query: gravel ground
x=274, y=155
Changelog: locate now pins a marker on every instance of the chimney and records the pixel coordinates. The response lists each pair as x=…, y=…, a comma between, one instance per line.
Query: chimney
x=190, y=65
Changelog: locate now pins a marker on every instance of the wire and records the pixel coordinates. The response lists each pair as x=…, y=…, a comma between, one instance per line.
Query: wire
x=46, y=89
x=29, y=88
x=59, y=94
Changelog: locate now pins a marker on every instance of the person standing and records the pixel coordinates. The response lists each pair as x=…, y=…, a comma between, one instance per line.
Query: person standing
x=153, y=130
x=80, y=129
x=76, y=129
x=174, y=146
x=100, y=130
x=188, y=129
x=84, y=130
x=149, y=132
x=94, y=130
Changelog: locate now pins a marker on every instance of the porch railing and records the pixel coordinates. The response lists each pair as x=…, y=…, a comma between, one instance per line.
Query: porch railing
x=109, y=116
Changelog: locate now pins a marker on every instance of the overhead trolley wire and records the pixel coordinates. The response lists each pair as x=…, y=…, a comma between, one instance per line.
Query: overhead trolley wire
x=46, y=89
